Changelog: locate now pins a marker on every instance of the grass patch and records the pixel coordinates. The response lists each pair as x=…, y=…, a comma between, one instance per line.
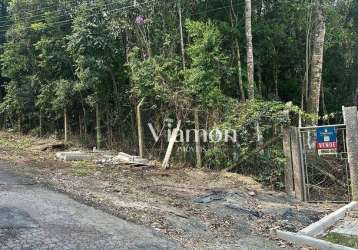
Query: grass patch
x=81, y=168
x=18, y=145
x=349, y=241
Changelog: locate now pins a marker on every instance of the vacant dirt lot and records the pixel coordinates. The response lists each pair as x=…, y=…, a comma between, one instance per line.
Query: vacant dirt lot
x=200, y=209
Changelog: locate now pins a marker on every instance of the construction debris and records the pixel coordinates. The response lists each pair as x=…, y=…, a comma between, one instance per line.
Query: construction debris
x=123, y=158
x=102, y=159
x=75, y=156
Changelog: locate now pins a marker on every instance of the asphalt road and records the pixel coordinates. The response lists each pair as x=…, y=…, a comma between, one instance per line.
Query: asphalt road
x=33, y=217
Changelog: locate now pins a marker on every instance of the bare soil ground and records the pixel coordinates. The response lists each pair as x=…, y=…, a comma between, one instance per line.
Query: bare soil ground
x=200, y=209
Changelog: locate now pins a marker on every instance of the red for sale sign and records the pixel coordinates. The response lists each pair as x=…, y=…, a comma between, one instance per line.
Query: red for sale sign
x=326, y=138
x=327, y=145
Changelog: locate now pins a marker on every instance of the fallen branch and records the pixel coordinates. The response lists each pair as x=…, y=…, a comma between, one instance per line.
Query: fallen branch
x=329, y=175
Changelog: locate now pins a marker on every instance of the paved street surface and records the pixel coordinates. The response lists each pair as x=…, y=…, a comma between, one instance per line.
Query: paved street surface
x=32, y=217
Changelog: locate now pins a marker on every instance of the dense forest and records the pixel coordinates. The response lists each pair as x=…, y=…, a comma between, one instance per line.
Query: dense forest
x=98, y=71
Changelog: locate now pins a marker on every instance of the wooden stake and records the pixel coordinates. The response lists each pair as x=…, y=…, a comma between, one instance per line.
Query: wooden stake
x=65, y=118
x=172, y=140
x=140, y=129
x=98, y=127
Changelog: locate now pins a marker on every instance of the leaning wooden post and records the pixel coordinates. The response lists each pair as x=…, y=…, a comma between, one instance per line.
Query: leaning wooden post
x=140, y=129
x=172, y=141
x=351, y=120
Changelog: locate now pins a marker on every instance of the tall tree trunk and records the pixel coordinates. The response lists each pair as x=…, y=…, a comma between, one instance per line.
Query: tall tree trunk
x=98, y=127
x=249, y=49
x=5, y=121
x=259, y=78
x=40, y=124
x=109, y=128
x=19, y=122
x=181, y=34
x=276, y=72
x=84, y=118
x=239, y=67
x=65, y=124
x=197, y=139
x=306, y=81
x=275, y=75
x=80, y=125
x=234, y=23
x=319, y=31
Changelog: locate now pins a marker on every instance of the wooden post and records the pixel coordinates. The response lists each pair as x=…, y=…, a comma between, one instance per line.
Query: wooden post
x=297, y=163
x=172, y=140
x=140, y=129
x=65, y=120
x=289, y=184
x=98, y=127
x=199, y=163
x=351, y=120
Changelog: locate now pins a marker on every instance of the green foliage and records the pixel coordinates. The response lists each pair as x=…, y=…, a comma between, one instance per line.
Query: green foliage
x=203, y=78
x=55, y=55
x=155, y=78
x=63, y=94
x=216, y=158
x=268, y=167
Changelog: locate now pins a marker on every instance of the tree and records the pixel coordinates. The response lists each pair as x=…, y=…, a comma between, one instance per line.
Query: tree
x=55, y=92
x=318, y=38
x=19, y=65
x=249, y=50
x=63, y=100
x=3, y=14
x=203, y=77
x=355, y=52
x=95, y=53
x=234, y=24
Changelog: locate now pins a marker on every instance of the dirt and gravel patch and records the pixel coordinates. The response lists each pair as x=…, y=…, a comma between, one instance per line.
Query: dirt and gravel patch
x=198, y=208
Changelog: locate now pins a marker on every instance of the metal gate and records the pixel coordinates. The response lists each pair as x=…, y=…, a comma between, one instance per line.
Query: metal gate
x=325, y=174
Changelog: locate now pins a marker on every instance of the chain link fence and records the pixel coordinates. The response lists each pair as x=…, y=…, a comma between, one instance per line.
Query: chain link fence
x=326, y=173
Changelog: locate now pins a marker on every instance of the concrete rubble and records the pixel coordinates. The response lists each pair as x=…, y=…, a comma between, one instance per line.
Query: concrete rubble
x=75, y=156
x=123, y=158
x=103, y=159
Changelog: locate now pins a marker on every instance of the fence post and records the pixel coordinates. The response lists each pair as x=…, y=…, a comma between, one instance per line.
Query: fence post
x=140, y=129
x=351, y=120
x=288, y=170
x=297, y=163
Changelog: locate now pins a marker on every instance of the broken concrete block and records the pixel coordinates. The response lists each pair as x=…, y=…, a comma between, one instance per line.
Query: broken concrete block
x=75, y=156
